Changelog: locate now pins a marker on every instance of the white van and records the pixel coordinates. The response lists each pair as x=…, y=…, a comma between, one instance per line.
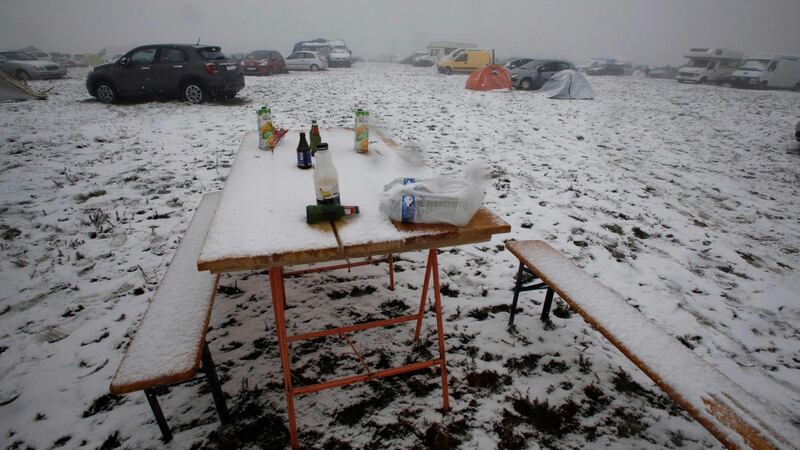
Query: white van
x=769, y=71
x=709, y=65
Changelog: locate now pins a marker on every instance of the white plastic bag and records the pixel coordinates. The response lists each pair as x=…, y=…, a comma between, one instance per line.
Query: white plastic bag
x=441, y=199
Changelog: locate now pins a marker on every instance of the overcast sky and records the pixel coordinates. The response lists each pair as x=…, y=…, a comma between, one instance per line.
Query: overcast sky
x=644, y=31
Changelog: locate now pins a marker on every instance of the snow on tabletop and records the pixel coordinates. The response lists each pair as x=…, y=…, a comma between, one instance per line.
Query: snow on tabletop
x=173, y=327
x=263, y=206
x=688, y=374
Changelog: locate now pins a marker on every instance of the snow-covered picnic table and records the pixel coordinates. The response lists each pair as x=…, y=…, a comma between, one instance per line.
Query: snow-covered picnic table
x=260, y=223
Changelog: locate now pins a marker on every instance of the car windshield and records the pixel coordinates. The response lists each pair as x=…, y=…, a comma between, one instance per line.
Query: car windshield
x=212, y=54
x=530, y=65
x=18, y=56
x=698, y=62
x=261, y=54
x=755, y=64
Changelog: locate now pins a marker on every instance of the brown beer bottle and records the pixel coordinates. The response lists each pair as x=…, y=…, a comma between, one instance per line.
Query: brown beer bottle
x=303, y=153
x=314, y=136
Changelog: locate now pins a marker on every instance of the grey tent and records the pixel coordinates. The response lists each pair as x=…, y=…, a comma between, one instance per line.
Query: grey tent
x=13, y=90
x=569, y=84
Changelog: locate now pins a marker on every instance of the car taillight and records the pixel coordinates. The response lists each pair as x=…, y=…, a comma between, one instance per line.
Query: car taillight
x=211, y=69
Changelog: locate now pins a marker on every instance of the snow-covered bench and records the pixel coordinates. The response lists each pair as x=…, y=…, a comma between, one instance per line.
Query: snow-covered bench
x=731, y=414
x=170, y=345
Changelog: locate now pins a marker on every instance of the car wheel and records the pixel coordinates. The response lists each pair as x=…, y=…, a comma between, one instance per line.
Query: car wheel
x=270, y=71
x=105, y=92
x=701, y=81
x=526, y=84
x=762, y=86
x=796, y=87
x=193, y=92
x=22, y=75
x=313, y=68
x=448, y=71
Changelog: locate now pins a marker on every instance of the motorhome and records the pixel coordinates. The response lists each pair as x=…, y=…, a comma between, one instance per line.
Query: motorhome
x=769, y=71
x=439, y=49
x=709, y=65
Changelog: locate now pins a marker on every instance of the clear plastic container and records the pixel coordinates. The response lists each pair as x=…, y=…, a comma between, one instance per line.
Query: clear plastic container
x=434, y=200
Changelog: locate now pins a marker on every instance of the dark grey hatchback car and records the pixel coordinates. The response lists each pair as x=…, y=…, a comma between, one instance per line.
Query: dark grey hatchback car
x=193, y=72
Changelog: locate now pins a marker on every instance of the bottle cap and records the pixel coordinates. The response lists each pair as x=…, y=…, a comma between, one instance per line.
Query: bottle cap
x=322, y=146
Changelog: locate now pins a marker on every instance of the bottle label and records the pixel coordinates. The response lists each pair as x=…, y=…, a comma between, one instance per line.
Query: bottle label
x=362, y=132
x=328, y=191
x=267, y=134
x=409, y=206
x=304, y=158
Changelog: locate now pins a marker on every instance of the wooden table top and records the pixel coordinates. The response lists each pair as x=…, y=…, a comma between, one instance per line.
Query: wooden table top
x=260, y=221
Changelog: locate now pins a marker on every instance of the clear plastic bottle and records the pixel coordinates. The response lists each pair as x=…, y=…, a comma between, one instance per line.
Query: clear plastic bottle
x=326, y=179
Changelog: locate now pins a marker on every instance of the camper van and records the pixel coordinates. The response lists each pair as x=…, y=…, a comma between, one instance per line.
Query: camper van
x=439, y=49
x=465, y=61
x=769, y=71
x=709, y=65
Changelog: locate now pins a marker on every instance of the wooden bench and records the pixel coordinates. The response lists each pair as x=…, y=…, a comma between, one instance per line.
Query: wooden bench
x=170, y=345
x=732, y=415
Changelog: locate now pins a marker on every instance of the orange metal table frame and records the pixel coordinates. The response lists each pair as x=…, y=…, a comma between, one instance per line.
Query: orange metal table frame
x=276, y=276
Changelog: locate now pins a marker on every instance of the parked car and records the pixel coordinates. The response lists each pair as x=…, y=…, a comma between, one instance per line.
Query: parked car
x=465, y=61
x=410, y=58
x=306, y=60
x=25, y=67
x=663, y=72
x=535, y=73
x=263, y=62
x=62, y=59
x=43, y=55
x=769, y=71
x=340, y=55
x=607, y=69
x=513, y=63
x=80, y=60
x=424, y=61
x=194, y=72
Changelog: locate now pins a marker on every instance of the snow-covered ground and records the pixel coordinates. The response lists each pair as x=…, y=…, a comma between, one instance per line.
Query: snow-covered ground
x=682, y=198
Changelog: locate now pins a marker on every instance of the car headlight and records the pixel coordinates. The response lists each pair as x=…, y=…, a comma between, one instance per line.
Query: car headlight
x=514, y=77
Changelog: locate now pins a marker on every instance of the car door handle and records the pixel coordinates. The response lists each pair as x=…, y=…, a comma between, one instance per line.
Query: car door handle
x=179, y=66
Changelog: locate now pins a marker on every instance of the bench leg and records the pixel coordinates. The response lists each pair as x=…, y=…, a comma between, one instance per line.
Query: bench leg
x=548, y=301
x=160, y=420
x=216, y=391
x=517, y=286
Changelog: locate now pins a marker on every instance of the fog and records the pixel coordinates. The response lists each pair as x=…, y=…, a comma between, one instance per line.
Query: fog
x=644, y=31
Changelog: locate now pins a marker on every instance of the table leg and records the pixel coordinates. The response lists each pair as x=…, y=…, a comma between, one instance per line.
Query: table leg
x=390, y=259
x=424, y=298
x=278, y=302
x=437, y=295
